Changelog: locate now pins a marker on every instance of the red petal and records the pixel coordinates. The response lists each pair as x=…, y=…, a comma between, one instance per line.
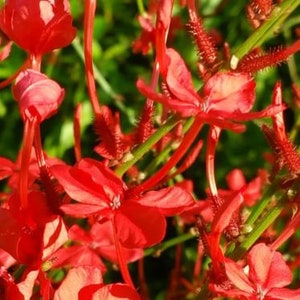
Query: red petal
x=38, y=27
x=224, y=215
x=235, y=179
x=55, y=235
x=82, y=210
x=76, y=256
x=76, y=279
x=27, y=285
x=103, y=176
x=184, y=108
x=103, y=243
x=259, y=260
x=179, y=80
x=80, y=186
x=170, y=201
x=37, y=95
x=4, y=53
x=76, y=233
x=6, y=167
x=283, y=294
x=230, y=92
x=280, y=274
x=237, y=276
x=9, y=232
x=138, y=226
x=115, y=291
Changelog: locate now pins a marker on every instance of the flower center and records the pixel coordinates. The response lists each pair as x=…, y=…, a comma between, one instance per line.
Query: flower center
x=115, y=202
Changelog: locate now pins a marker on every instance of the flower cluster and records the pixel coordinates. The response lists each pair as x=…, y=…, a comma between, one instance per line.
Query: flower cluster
x=66, y=225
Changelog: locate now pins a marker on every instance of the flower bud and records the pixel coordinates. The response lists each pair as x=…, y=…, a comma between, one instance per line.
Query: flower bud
x=37, y=95
x=38, y=26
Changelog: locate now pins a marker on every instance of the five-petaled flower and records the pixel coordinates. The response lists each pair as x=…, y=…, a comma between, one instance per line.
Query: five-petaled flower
x=263, y=278
x=138, y=219
x=226, y=95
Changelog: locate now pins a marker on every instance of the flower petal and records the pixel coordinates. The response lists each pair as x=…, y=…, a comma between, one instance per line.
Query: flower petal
x=179, y=80
x=138, y=226
x=76, y=279
x=37, y=95
x=169, y=201
x=280, y=274
x=259, y=260
x=238, y=277
x=80, y=186
x=283, y=294
x=116, y=291
x=230, y=92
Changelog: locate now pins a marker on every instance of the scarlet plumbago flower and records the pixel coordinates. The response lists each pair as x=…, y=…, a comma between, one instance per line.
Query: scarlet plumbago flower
x=38, y=26
x=226, y=94
x=87, y=283
x=138, y=221
x=105, y=194
x=88, y=247
x=264, y=277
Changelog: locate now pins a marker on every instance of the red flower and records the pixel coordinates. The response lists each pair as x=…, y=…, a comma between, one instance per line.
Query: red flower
x=226, y=95
x=90, y=246
x=230, y=92
x=37, y=95
x=87, y=283
x=38, y=26
x=139, y=220
x=263, y=278
x=236, y=181
x=30, y=235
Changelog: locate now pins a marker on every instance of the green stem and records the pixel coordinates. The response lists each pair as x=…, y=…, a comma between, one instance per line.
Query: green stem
x=277, y=17
x=141, y=7
x=147, y=145
x=105, y=86
x=261, y=205
x=157, y=250
x=255, y=234
x=164, y=154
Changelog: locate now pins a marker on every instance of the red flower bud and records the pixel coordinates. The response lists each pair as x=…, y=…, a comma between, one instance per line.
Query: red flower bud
x=37, y=95
x=38, y=26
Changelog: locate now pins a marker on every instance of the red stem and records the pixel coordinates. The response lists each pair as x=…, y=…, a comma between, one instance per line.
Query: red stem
x=76, y=128
x=38, y=148
x=35, y=62
x=142, y=280
x=198, y=261
x=89, y=16
x=213, y=137
x=289, y=230
x=28, y=136
x=122, y=263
